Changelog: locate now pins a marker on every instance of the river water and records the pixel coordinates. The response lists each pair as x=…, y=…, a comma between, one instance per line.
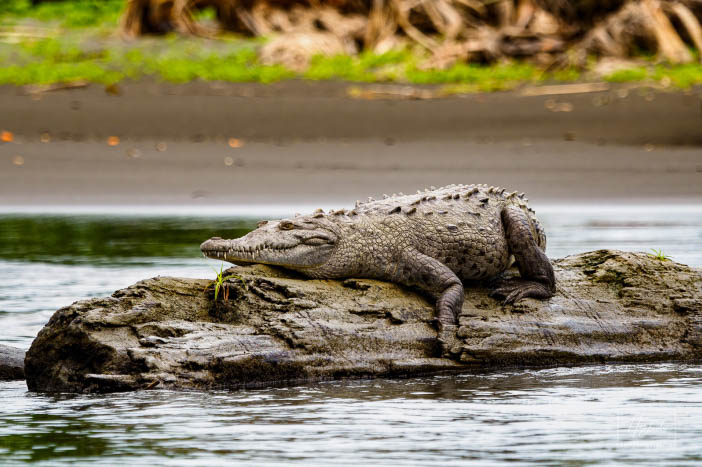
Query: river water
x=596, y=415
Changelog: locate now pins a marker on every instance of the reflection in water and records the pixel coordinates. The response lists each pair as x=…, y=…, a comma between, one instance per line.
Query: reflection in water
x=627, y=413
x=613, y=414
x=110, y=240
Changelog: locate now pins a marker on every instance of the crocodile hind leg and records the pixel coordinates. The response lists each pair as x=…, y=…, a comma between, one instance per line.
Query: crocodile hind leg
x=537, y=278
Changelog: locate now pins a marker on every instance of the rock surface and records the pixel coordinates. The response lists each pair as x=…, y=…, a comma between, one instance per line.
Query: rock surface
x=11, y=363
x=277, y=328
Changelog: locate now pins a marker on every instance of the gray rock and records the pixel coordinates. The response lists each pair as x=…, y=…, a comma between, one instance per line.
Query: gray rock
x=276, y=328
x=11, y=363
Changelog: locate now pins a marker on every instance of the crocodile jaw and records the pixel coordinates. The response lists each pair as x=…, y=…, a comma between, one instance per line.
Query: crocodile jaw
x=284, y=251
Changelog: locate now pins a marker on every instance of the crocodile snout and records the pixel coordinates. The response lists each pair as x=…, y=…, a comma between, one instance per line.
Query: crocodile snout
x=213, y=244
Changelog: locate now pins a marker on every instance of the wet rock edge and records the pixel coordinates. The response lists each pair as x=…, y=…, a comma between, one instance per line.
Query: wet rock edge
x=11, y=363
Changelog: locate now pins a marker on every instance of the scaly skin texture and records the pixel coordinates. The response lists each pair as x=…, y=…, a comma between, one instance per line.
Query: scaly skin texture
x=432, y=240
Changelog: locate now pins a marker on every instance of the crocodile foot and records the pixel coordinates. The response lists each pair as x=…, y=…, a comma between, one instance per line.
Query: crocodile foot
x=449, y=342
x=516, y=289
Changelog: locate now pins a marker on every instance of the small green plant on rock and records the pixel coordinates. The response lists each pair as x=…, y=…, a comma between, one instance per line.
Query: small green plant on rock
x=659, y=255
x=218, y=283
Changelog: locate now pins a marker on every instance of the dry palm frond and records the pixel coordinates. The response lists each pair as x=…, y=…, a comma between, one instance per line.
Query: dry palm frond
x=451, y=30
x=690, y=22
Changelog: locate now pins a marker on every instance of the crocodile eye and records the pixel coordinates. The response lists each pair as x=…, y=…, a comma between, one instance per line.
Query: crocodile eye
x=286, y=225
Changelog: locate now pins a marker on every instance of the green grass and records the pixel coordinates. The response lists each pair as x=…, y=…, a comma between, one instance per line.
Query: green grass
x=218, y=283
x=42, y=73
x=53, y=60
x=627, y=75
x=76, y=56
x=681, y=76
x=659, y=255
x=74, y=13
x=677, y=76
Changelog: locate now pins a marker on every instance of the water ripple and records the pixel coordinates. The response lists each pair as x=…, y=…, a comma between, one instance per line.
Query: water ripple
x=548, y=417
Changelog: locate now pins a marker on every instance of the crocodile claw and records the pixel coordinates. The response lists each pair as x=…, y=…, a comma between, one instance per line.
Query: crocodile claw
x=516, y=289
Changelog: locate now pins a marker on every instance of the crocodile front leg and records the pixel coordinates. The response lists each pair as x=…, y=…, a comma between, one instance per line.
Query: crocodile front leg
x=437, y=279
x=538, y=280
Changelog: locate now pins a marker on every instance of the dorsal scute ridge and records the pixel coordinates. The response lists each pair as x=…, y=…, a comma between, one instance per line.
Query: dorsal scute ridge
x=433, y=197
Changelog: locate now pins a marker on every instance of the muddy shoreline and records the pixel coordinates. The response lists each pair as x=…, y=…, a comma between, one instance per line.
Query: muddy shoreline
x=297, y=142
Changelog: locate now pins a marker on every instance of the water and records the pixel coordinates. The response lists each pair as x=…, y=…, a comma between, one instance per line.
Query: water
x=585, y=415
x=593, y=414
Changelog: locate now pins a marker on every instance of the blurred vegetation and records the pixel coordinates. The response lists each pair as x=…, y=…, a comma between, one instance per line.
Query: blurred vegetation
x=76, y=40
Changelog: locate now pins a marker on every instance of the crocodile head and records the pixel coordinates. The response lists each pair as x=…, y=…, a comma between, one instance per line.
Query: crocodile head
x=300, y=243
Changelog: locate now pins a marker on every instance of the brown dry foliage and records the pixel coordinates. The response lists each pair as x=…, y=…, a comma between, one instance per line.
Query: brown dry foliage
x=466, y=30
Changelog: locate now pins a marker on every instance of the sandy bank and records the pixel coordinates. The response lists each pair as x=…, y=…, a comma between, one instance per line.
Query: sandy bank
x=301, y=142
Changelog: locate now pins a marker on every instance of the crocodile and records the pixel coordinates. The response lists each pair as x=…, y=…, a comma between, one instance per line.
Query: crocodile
x=432, y=240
